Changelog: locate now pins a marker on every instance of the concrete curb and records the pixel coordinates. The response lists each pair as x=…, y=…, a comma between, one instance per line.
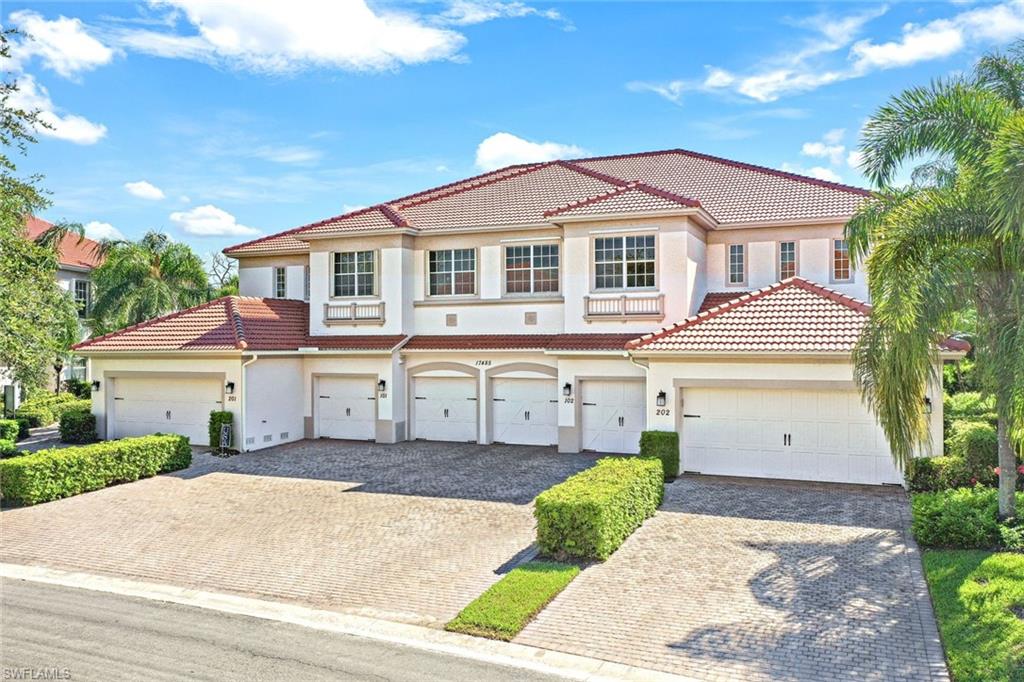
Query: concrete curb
x=569, y=666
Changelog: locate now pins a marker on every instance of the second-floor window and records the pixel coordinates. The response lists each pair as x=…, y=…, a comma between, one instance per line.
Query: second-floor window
x=452, y=272
x=305, y=283
x=737, y=264
x=624, y=262
x=531, y=269
x=841, y=261
x=355, y=273
x=280, y=283
x=787, y=260
x=83, y=297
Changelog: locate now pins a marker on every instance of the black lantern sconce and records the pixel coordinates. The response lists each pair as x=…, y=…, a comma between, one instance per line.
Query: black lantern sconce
x=229, y=388
x=927, y=405
x=567, y=389
x=382, y=386
x=96, y=385
x=660, y=400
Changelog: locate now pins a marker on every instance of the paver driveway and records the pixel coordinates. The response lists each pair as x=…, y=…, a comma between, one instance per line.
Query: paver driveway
x=756, y=580
x=410, y=532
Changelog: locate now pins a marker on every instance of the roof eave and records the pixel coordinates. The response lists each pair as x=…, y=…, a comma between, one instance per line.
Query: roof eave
x=701, y=214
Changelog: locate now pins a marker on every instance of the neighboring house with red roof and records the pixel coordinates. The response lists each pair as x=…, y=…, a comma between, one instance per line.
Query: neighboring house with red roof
x=566, y=303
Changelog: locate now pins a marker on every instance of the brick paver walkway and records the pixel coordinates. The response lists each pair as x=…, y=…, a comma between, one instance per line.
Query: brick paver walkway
x=410, y=532
x=757, y=580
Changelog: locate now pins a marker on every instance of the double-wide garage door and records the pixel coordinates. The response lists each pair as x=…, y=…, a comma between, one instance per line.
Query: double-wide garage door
x=791, y=434
x=165, y=405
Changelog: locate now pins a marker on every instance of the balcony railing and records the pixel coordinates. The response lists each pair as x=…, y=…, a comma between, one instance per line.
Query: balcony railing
x=354, y=313
x=624, y=307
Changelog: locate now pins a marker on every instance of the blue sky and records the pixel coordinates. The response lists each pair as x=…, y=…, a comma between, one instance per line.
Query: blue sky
x=220, y=122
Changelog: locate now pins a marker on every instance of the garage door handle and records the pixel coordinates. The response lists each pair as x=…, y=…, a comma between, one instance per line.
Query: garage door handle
x=591, y=404
x=622, y=421
x=168, y=414
x=446, y=413
x=325, y=396
x=498, y=400
x=692, y=416
x=348, y=411
x=118, y=398
x=419, y=397
x=470, y=398
x=527, y=415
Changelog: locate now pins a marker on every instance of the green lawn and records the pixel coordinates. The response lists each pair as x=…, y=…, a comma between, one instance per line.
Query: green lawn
x=979, y=603
x=509, y=604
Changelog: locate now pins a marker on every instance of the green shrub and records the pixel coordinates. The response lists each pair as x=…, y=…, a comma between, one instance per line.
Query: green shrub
x=591, y=513
x=8, y=448
x=78, y=426
x=8, y=430
x=34, y=416
x=23, y=432
x=46, y=408
x=976, y=442
x=665, y=446
x=80, y=388
x=969, y=405
x=964, y=518
x=1012, y=534
x=53, y=474
x=930, y=474
x=217, y=418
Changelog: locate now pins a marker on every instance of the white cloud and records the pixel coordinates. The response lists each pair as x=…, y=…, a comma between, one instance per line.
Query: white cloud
x=144, y=190
x=467, y=12
x=854, y=159
x=505, y=149
x=289, y=154
x=210, y=221
x=819, y=172
x=830, y=147
x=98, y=231
x=807, y=67
x=269, y=36
x=351, y=208
x=62, y=44
x=31, y=96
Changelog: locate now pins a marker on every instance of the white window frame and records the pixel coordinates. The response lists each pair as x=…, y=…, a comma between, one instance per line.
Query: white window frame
x=361, y=268
x=305, y=283
x=430, y=271
x=280, y=282
x=796, y=259
x=532, y=268
x=624, y=262
x=729, y=263
x=86, y=309
x=849, y=262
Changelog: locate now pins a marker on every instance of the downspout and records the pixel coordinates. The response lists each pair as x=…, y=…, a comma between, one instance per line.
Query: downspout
x=241, y=410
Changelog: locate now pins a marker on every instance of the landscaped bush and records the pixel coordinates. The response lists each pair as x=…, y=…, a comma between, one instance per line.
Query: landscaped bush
x=45, y=409
x=590, y=514
x=78, y=426
x=34, y=416
x=23, y=432
x=964, y=518
x=8, y=430
x=976, y=442
x=969, y=405
x=8, y=448
x=80, y=388
x=930, y=474
x=217, y=418
x=53, y=474
x=665, y=446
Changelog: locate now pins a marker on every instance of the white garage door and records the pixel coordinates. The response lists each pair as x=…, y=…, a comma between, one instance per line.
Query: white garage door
x=802, y=435
x=525, y=411
x=165, y=405
x=445, y=409
x=614, y=414
x=347, y=408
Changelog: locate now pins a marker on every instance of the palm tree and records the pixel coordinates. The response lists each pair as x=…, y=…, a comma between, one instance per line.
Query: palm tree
x=951, y=241
x=144, y=279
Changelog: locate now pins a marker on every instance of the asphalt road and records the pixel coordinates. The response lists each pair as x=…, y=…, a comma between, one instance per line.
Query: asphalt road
x=87, y=635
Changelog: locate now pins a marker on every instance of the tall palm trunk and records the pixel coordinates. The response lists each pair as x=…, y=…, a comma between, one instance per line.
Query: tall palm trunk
x=1007, y=472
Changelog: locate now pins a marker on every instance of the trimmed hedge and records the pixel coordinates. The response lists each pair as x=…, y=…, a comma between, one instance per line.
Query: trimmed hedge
x=53, y=474
x=930, y=474
x=591, y=513
x=8, y=448
x=80, y=388
x=8, y=430
x=976, y=442
x=45, y=409
x=34, y=416
x=78, y=426
x=968, y=405
x=217, y=418
x=665, y=446
x=963, y=518
x=23, y=432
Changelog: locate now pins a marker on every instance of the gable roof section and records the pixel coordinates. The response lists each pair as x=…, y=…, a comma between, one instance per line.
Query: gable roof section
x=531, y=194
x=234, y=323
x=74, y=251
x=795, y=315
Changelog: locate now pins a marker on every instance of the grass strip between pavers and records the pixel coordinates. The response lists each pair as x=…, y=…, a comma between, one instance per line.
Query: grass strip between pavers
x=509, y=604
x=979, y=604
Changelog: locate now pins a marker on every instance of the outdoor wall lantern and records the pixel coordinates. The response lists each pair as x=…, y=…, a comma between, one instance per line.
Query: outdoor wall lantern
x=96, y=385
x=661, y=399
x=567, y=389
x=229, y=387
x=927, y=405
x=382, y=386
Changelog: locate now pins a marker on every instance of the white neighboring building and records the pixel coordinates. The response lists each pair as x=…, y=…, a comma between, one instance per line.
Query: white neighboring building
x=567, y=303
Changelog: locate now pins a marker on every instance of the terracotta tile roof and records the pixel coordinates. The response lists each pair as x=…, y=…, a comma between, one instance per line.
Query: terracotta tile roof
x=75, y=251
x=234, y=323
x=795, y=315
x=579, y=342
x=730, y=191
x=714, y=299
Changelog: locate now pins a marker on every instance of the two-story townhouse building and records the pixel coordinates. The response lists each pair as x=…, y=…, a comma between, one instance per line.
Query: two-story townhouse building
x=77, y=257
x=567, y=303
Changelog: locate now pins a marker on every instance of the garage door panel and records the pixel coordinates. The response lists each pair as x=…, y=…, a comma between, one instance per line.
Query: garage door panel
x=347, y=408
x=613, y=415
x=445, y=409
x=143, y=406
x=525, y=411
